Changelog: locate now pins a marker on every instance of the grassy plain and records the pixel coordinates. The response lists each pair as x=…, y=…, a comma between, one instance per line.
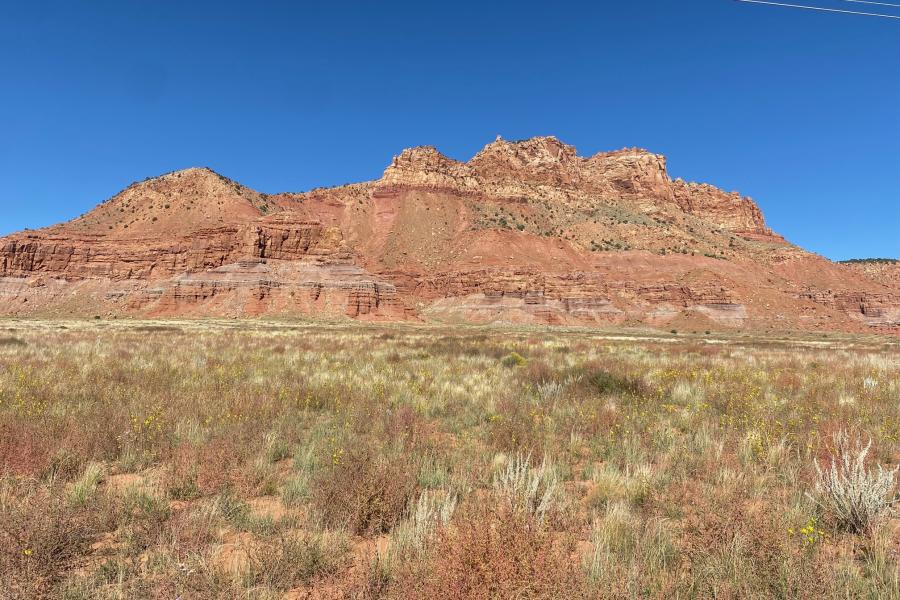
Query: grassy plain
x=282, y=460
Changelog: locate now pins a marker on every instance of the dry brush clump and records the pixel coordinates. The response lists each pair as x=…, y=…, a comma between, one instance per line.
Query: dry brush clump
x=42, y=536
x=291, y=560
x=493, y=551
x=858, y=497
x=364, y=492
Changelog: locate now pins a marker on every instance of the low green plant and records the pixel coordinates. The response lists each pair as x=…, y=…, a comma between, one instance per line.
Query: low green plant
x=513, y=359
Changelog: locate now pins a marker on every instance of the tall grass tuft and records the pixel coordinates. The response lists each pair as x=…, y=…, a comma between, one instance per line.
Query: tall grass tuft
x=83, y=489
x=533, y=490
x=858, y=498
x=426, y=515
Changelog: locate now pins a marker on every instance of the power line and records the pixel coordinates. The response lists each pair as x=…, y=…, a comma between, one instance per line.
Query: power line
x=870, y=2
x=819, y=8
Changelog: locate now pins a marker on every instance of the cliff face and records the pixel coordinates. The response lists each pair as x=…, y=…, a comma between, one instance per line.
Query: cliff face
x=524, y=232
x=547, y=168
x=79, y=256
x=729, y=211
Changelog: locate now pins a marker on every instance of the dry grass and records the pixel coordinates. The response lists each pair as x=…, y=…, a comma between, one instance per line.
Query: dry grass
x=270, y=460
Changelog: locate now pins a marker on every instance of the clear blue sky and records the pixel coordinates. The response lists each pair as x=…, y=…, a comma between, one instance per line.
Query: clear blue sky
x=800, y=110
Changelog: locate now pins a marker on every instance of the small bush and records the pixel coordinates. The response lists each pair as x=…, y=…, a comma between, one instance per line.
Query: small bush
x=493, y=552
x=25, y=448
x=205, y=470
x=859, y=499
x=40, y=538
x=144, y=515
x=64, y=466
x=531, y=491
x=513, y=359
x=605, y=382
x=517, y=429
x=431, y=512
x=365, y=492
x=293, y=560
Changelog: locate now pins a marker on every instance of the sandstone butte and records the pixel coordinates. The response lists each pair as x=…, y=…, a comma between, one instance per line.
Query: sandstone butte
x=524, y=232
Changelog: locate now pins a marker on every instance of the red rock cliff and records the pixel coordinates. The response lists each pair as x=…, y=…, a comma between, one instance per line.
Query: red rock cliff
x=524, y=231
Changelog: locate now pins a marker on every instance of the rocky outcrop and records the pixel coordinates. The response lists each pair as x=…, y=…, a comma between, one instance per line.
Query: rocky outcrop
x=728, y=210
x=872, y=308
x=90, y=256
x=258, y=287
x=883, y=271
x=545, y=168
x=287, y=238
